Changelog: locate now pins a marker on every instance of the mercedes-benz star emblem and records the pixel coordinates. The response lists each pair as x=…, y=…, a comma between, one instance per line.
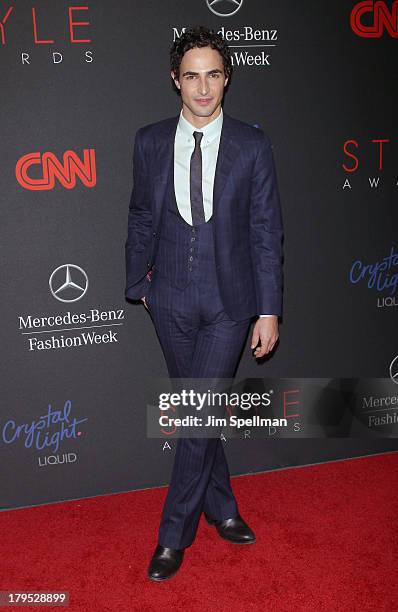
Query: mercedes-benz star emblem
x=224, y=8
x=68, y=283
x=394, y=370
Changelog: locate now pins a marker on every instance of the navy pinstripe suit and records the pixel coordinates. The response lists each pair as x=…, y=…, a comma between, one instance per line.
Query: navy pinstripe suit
x=204, y=285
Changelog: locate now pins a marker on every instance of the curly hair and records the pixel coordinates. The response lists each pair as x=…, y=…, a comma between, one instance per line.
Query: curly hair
x=198, y=36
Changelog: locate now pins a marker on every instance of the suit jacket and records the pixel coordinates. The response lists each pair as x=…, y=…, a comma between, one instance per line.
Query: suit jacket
x=247, y=217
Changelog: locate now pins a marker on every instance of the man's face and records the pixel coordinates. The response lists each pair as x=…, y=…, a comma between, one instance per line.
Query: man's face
x=201, y=82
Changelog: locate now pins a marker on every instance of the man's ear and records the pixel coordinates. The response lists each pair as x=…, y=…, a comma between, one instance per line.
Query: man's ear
x=176, y=81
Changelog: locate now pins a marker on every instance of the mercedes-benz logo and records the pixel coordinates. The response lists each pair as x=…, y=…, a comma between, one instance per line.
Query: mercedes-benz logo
x=394, y=370
x=67, y=285
x=224, y=8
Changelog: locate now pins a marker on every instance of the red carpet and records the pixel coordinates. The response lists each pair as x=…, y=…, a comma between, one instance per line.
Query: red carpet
x=326, y=541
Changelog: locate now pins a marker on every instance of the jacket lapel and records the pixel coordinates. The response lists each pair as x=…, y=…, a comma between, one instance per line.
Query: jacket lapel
x=164, y=157
x=227, y=153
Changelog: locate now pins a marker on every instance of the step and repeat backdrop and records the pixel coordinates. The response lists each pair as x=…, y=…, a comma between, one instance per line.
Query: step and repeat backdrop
x=77, y=359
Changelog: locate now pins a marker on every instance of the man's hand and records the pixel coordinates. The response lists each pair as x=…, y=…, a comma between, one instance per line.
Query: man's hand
x=265, y=330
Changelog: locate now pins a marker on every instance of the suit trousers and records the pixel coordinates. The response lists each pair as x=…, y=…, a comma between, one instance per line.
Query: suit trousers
x=198, y=340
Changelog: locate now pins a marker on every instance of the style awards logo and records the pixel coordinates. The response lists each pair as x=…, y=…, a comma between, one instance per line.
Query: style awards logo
x=46, y=434
x=52, y=170
x=369, y=19
x=77, y=32
x=68, y=283
x=374, y=155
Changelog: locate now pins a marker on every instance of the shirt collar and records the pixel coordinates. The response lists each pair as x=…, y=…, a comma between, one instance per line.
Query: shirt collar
x=210, y=131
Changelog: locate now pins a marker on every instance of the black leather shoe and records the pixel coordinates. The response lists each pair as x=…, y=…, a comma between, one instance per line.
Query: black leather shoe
x=233, y=529
x=165, y=562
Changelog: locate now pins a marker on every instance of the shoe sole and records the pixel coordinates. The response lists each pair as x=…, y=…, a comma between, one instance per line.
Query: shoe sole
x=237, y=541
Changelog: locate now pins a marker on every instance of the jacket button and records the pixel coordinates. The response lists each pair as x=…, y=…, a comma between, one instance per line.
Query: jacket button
x=154, y=234
x=148, y=265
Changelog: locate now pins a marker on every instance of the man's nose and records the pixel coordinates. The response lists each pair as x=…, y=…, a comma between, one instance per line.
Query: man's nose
x=203, y=86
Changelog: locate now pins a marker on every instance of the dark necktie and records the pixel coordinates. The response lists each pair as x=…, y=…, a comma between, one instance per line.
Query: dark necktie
x=198, y=213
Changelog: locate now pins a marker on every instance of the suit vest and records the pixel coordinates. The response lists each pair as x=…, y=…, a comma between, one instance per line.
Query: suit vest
x=185, y=253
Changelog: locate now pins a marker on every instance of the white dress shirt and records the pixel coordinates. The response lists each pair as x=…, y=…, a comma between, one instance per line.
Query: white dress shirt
x=184, y=145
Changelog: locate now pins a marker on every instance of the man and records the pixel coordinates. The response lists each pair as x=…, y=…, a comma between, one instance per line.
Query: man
x=204, y=254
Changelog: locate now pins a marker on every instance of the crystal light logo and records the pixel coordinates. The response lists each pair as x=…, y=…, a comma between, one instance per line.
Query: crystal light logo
x=224, y=8
x=382, y=19
x=52, y=168
x=46, y=432
x=394, y=370
x=67, y=286
x=379, y=276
